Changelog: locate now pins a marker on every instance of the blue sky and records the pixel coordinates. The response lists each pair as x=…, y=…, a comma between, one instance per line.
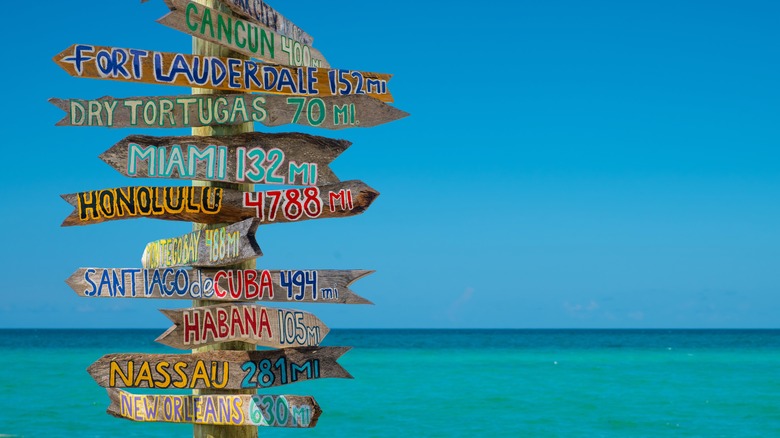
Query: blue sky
x=566, y=164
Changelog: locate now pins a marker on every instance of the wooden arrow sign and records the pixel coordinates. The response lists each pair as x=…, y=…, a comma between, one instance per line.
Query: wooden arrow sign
x=221, y=246
x=252, y=157
x=330, y=112
x=218, y=369
x=147, y=66
x=260, y=13
x=242, y=36
x=264, y=326
x=229, y=409
x=285, y=286
x=213, y=205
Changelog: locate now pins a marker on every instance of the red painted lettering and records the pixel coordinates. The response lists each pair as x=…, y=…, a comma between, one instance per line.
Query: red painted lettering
x=222, y=325
x=191, y=331
x=208, y=325
x=218, y=291
x=265, y=284
x=250, y=279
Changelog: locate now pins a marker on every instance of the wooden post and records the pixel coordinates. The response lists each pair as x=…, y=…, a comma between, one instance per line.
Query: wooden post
x=202, y=47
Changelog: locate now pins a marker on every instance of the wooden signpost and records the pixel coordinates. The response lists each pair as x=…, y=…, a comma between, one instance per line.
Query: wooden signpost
x=252, y=157
x=216, y=409
x=264, y=326
x=214, y=266
x=226, y=285
x=218, y=370
x=329, y=112
x=221, y=246
x=234, y=74
x=242, y=36
x=212, y=205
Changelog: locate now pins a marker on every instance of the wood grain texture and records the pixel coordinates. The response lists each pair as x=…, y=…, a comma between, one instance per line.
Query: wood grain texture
x=205, y=48
x=218, y=369
x=234, y=74
x=223, y=285
x=231, y=244
x=252, y=157
x=213, y=205
x=228, y=409
x=254, y=324
x=240, y=35
x=329, y=112
x=261, y=13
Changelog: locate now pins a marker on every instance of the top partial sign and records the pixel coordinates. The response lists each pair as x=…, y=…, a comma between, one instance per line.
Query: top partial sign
x=245, y=37
x=259, y=12
x=147, y=66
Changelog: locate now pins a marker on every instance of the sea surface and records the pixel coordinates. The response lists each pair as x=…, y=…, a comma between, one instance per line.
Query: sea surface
x=440, y=383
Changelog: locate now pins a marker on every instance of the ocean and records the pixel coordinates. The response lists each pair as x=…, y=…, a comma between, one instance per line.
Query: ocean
x=442, y=383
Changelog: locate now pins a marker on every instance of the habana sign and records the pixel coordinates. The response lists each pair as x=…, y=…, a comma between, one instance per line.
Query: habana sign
x=252, y=157
x=329, y=112
x=228, y=409
x=242, y=36
x=265, y=326
x=213, y=205
x=221, y=246
x=282, y=286
x=219, y=370
x=148, y=66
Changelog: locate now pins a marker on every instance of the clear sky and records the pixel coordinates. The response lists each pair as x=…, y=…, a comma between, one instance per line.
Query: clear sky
x=566, y=164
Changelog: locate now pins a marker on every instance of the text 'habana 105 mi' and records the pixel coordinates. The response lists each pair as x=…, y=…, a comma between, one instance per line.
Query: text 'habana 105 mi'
x=250, y=323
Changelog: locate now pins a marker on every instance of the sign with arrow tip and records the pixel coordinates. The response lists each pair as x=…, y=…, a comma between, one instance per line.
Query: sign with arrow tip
x=214, y=205
x=242, y=36
x=227, y=409
x=261, y=13
x=218, y=370
x=152, y=67
x=248, y=158
x=221, y=246
x=184, y=111
x=229, y=285
x=265, y=326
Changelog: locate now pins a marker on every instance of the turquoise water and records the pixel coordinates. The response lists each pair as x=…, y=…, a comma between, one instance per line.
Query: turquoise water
x=643, y=383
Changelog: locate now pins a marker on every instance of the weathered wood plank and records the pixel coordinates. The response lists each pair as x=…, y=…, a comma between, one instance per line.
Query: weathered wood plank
x=231, y=244
x=240, y=35
x=219, y=73
x=213, y=205
x=223, y=370
x=329, y=112
x=227, y=285
x=252, y=157
x=251, y=323
x=261, y=13
x=236, y=410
